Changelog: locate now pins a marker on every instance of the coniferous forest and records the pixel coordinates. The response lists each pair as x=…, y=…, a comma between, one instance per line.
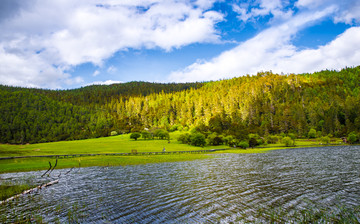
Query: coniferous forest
x=265, y=104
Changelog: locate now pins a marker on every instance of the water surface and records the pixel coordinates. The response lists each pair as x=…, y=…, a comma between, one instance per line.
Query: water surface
x=229, y=187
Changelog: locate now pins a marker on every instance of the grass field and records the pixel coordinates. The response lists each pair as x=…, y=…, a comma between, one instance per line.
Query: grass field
x=115, y=144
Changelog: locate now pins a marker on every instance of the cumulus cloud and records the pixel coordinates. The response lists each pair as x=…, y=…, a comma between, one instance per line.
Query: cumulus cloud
x=95, y=73
x=272, y=50
x=254, y=10
x=54, y=36
x=32, y=71
x=348, y=11
x=107, y=82
x=112, y=69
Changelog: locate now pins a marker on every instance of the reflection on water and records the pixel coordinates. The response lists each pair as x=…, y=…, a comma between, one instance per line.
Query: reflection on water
x=230, y=187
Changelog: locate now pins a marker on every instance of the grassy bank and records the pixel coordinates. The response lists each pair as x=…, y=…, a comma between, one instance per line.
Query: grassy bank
x=8, y=190
x=115, y=144
x=30, y=164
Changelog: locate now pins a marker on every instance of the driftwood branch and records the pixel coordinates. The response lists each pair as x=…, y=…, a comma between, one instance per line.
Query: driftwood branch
x=51, y=168
x=30, y=191
x=48, y=169
x=54, y=166
x=69, y=171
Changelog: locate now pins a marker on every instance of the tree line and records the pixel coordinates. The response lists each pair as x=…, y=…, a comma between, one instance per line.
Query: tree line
x=265, y=104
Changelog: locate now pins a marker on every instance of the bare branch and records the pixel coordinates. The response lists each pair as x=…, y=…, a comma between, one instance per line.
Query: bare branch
x=54, y=166
x=48, y=169
x=69, y=171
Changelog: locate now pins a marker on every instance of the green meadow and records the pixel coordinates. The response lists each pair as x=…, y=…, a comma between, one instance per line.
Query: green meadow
x=114, y=144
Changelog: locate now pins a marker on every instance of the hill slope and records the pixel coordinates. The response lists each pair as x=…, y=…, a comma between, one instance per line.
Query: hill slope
x=328, y=101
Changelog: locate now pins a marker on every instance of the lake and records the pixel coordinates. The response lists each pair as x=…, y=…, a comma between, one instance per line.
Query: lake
x=227, y=188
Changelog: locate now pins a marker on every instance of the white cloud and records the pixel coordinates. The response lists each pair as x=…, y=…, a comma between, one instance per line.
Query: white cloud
x=272, y=50
x=253, y=10
x=341, y=52
x=112, y=69
x=107, y=82
x=64, y=33
x=31, y=71
x=96, y=73
x=348, y=11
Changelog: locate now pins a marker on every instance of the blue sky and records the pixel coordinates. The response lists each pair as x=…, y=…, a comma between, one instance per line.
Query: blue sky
x=63, y=44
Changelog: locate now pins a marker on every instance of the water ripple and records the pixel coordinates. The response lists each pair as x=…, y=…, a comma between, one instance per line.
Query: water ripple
x=224, y=189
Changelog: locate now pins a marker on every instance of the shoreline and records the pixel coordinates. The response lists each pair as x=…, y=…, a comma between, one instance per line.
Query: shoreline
x=38, y=163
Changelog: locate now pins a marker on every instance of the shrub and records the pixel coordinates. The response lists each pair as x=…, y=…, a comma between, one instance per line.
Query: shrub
x=213, y=139
x=135, y=135
x=229, y=140
x=184, y=138
x=318, y=134
x=162, y=134
x=260, y=141
x=256, y=136
x=176, y=127
x=114, y=133
x=288, y=141
x=325, y=140
x=292, y=136
x=352, y=138
x=146, y=135
x=198, y=139
x=243, y=144
x=312, y=133
x=253, y=142
x=272, y=139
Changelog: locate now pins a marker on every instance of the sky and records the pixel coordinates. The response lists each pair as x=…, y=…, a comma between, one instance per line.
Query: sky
x=66, y=44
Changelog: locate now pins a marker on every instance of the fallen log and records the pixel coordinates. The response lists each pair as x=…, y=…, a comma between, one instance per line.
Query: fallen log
x=30, y=191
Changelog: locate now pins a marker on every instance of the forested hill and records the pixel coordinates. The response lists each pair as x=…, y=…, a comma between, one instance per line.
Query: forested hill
x=100, y=94
x=267, y=103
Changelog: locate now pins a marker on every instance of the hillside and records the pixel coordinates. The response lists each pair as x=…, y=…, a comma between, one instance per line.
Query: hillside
x=267, y=103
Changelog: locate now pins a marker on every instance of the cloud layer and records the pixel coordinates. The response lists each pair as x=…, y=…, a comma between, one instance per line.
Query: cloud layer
x=42, y=40
x=272, y=49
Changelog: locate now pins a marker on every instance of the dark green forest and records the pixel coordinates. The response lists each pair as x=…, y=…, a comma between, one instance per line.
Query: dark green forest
x=265, y=104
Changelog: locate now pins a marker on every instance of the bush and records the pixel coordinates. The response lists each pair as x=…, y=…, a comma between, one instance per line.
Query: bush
x=260, y=141
x=256, y=136
x=325, y=140
x=292, y=136
x=319, y=134
x=229, y=140
x=135, y=135
x=312, y=133
x=352, y=138
x=198, y=139
x=162, y=134
x=146, y=135
x=288, y=141
x=243, y=144
x=253, y=142
x=176, y=127
x=272, y=139
x=184, y=138
x=114, y=133
x=213, y=139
